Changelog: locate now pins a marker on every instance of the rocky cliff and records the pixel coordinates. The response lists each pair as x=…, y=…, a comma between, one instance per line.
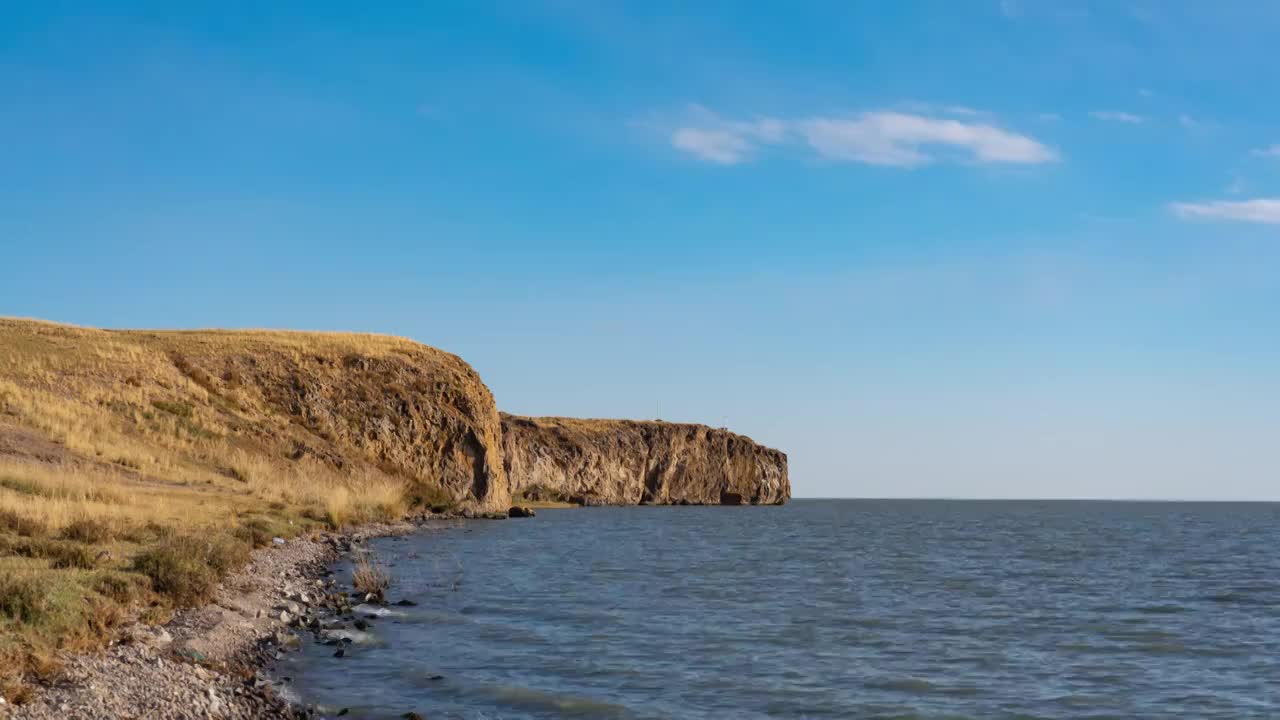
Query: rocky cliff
x=408, y=409
x=626, y=462
x=275, y=414
x=214, y=406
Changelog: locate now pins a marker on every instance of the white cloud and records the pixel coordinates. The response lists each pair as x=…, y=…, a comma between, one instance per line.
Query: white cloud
x=1270, y=152
x=720, y=141
x=892, y=138
x=903, y=140
x=1258, y=210
x=719, y=146
x=1117, y=116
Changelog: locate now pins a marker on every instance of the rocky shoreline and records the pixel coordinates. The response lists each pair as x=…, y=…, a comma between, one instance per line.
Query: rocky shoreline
x=214, y=661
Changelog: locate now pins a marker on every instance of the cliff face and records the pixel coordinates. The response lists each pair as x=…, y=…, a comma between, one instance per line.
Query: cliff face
x=214, y=405
x=408, y=409
x=626, y=462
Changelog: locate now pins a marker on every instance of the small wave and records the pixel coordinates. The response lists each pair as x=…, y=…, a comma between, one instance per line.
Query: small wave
x=564, y=704
x=1162, y=648
x=356, y=636
x=869, y=622
x=907, y=685
x=1081, y=701
x=375, y=611
x=920, y=686
x=1163, y=609
x=1240, y=597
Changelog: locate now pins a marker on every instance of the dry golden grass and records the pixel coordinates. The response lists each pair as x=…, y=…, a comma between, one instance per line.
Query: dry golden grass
x=114, y=443
x=369, y=578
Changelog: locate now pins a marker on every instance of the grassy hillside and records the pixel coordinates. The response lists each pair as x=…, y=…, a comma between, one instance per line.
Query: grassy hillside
x=137, y=466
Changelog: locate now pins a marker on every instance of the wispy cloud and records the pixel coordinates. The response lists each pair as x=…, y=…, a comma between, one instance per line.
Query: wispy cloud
x=714, y=139
x=1258, y=210
x=891, y=138
x=1188, y=122
x=719, y=146
x=1117, y=116
x=903, y=140
x=1267, y=152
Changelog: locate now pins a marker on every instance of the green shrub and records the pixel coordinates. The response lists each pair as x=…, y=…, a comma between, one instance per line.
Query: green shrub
x=24, y=596
x=123, y=588
x=68, y=555
x=60, y=554
x=187, y=568
x=258, y=532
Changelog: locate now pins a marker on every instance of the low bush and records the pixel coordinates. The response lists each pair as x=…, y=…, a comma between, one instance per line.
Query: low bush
x=101, y=616
x=88, y=530
x=59, y=553
x=187, y=568
x=24, y=596
x=67, y=555
x=11, y=521
x=258, y=532
x=120, y=587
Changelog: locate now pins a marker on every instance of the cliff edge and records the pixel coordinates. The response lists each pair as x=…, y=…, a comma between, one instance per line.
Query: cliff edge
x=629, y=462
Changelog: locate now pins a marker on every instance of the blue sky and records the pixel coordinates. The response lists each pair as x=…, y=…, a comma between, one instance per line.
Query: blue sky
x=1002, y=249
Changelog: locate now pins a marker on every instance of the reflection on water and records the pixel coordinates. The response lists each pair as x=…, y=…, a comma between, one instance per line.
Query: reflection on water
x=825, y=609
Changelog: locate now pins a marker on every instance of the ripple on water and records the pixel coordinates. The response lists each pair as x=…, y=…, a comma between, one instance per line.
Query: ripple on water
x=920, y=686
x=827, y=610
x=563, y=704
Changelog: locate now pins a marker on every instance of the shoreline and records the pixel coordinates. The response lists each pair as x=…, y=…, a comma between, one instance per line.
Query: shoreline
x=212, y=661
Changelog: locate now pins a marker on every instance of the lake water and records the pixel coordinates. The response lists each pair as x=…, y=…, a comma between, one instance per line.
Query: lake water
x=826, y=609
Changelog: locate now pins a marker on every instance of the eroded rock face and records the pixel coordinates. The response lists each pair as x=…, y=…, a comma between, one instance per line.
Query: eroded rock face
x=628, y=462
x=408, y=409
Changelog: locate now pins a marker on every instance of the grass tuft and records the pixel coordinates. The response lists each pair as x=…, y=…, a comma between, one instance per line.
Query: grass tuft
x=91, y=531
x=21, y=525
x=369, y=578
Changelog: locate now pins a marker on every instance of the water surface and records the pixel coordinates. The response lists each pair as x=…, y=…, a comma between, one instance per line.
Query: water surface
x=826, y=609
